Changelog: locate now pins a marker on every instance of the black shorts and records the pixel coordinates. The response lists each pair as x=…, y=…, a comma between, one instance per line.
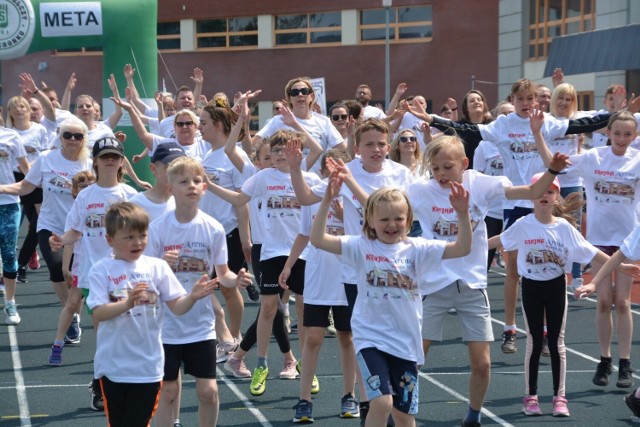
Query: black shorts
x=318, y=316
x=351, y=290
x=199, y=359
x=235, y=256
x=271, y=269
x=53, y=259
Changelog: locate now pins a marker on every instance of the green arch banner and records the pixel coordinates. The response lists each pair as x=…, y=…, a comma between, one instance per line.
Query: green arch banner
x=126, y=31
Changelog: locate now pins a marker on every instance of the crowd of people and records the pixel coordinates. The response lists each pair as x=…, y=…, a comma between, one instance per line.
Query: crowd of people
x=378, y=222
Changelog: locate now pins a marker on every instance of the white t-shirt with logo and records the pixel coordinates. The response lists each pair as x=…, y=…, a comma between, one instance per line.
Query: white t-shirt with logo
x=546, y=251
x=221, y=171
x=318, y=126
x=197, y=150
x=392, y=174
x=323, y=270
x=612, y=183
x=11, y=150
x=87, y=215
x=439, y=221
x=202, y=245
x=514, y=139
x=280, y=211
x=630, y=248
x=388, y=311
x=34, y=140
x=128, y=348
x=53, y=172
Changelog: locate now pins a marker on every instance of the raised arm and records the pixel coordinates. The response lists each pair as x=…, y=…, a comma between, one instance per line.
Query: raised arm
x=459, y=199
x=198, y=80
x=536, y=119
x=233, y=197
x=65, y=103
x=230, y=148
x=319, y=237
x=21, y=188
x=393, y=104
x=129, y=74
x=347, y=178
x=304, y=194
x=29, y=85
x=141, y=131
x=117, y=114
x=537, y=189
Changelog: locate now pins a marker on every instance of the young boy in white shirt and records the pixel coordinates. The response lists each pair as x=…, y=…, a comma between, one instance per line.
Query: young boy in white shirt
x=193, y=244
x=126, y=291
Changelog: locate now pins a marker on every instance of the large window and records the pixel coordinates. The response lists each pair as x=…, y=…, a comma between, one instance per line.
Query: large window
x=75, y=51
x=227, y=33
x=308, y=29
x=406, y=24
x=552, y=18
x=169, y=36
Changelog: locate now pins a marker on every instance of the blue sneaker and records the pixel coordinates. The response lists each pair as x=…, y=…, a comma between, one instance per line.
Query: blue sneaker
x=55, y=358
x=74, y=332
x=304, y=412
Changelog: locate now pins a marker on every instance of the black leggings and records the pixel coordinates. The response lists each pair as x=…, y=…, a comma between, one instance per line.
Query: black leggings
x=29, y=211
x=278, y=328
x=494, y=227
x=539, y=298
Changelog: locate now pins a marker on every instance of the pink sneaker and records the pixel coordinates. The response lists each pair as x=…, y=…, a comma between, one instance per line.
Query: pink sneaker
x=237, y=367
x=289, y=370
x=530, y=406
x=560, y=407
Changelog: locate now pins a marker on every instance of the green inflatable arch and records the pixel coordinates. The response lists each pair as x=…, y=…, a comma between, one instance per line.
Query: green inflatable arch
x=122, y=28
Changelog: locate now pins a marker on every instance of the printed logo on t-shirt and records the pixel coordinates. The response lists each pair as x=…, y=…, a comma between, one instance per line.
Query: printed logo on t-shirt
x=58, y=184
x=619, y=188
x=545, y=257
x=282, y=205
x=448, y=230
x=4, y=155
x=192, y=257
x=214, y=177
x=389, y=278
x=146, y=305
x=523, y=150
x=496, y=166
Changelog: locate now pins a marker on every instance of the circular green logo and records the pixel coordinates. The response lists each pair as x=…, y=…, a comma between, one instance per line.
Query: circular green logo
x=17, y=26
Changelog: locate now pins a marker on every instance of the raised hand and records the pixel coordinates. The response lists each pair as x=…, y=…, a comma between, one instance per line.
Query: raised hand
x=71, y=83
x=536, y=120
x=459, y=197
x=559, y=162
x=198, y=76
x=401, y=89
x=28, y=84
x=293, y=153
x=558, y=77
x=129, y=71
x=204, y=287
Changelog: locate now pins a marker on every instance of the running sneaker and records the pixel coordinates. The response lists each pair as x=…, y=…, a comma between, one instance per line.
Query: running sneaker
x=304, y=412
x=349, y=407
x=315, y=384
x=11, y=316
x=177, y=424
x=55, y=358
x=22, y=274
x=34, y=261
x=259, y=380
x=560, y=407
x=237, y=367
x=330, y=331
x=464, y=423
x=74, y=332
x=252, y=291
x=224, y=349
x=530, y=406
x=289, y=371
x=509, y=342
x=625, y=376
x=97, y=403
x=633, y=403
x=545, y=347
x=499, y=259
x=603, y=371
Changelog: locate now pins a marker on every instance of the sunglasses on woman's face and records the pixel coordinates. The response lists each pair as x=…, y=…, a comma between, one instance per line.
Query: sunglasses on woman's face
x=408, y=138
x=296, y=92
x=184, y=124
x=337, y=117
x=71, y=135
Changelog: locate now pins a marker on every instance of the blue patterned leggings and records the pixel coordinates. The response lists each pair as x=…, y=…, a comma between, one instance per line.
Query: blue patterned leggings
x=9, y=225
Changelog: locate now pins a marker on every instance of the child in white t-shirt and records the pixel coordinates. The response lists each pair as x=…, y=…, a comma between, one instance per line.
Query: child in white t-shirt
x=611, y=176
x=387, y=316
x=126, y=294
x=193, y=244
x=86, y=219
x=461, y=283
x=547, y=244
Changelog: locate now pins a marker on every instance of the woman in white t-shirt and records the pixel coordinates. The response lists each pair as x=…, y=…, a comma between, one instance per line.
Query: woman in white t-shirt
x=34, y=139
x=300, y=95
x=53, y=171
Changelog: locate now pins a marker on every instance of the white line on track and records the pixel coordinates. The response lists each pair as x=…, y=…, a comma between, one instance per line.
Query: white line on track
x=452, y=392
x=21, y=392
x=243, y=398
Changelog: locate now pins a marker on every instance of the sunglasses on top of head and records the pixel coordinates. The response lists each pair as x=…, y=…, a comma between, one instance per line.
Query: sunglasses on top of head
x=73, y=135
x=296, y=92
x=408, y=138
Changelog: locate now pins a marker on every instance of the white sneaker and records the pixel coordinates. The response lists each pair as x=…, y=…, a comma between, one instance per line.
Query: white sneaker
x=224, y=349
x=11, y=316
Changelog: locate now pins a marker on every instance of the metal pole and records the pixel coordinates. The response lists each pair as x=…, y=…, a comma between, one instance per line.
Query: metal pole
x=387, y=61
